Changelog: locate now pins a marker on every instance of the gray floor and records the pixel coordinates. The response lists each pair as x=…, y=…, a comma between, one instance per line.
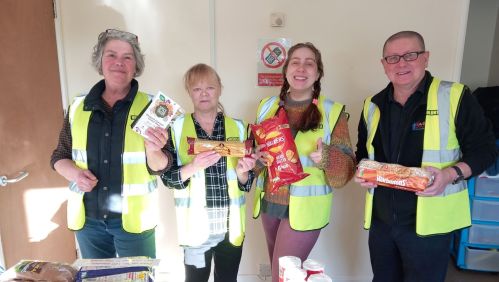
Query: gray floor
x=455, y=274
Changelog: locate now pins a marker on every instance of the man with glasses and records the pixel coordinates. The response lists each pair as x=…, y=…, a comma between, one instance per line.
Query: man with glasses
x=419, y=121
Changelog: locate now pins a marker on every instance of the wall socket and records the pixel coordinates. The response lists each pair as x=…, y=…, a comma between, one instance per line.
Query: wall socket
x=264, y=271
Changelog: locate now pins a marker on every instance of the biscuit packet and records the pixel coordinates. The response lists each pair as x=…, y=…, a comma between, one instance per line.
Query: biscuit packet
x=160, y=112
x=396, y=176
x=224, y=148
x=284, y=166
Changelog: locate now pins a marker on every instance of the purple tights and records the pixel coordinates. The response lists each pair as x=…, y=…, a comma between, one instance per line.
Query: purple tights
x=284, y=241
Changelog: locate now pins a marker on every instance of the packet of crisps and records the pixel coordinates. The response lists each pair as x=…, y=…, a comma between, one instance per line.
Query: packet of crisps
x=284, y=163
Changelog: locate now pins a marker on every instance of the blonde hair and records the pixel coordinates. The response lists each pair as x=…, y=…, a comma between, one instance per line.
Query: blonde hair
x=200, y=72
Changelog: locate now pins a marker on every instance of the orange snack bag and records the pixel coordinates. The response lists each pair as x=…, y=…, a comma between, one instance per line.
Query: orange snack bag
x=394, y=175
x=284, y=162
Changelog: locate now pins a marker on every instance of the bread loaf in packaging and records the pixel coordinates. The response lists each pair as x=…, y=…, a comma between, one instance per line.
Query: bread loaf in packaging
x=394, y=175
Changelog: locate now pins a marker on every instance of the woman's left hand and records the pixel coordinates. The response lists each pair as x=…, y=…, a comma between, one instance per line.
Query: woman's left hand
x=157, y=138
x=316, y=156
x=245, y=164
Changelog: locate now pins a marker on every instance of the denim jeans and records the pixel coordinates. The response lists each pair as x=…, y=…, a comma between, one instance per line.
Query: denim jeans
x=107, y=239
x=399, y=254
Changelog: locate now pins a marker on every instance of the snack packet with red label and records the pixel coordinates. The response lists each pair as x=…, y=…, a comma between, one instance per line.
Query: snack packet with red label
x=224, y=148
x=394, y=175
x=284, y=166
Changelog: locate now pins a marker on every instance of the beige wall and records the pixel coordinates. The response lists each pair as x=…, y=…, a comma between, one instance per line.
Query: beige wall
x=176, y=34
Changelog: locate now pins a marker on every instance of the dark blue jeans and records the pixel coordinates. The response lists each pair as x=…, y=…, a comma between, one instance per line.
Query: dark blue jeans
x=399, y=255
x=107, y=239
x=226, y=258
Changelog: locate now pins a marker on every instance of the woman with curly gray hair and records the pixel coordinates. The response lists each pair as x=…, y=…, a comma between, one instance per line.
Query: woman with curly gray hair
x=112, y=187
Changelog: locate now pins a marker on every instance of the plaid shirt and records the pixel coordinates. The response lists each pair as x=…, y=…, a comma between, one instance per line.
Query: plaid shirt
x=217, y=193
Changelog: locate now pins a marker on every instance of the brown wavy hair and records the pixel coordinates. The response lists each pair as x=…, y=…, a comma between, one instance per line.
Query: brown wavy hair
x=312, y=116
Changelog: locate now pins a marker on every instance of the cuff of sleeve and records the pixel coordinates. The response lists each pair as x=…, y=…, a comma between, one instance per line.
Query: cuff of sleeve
x=247, y=186
x=168, y=166
x=176, y=180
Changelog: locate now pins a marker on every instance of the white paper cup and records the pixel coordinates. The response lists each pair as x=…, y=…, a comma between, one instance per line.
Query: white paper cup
x=313, y=267
x=288, y=262
x=321, y=277
x=294, y=274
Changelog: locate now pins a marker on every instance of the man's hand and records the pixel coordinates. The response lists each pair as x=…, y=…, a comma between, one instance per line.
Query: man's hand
x=441, y=178
x=364, y=183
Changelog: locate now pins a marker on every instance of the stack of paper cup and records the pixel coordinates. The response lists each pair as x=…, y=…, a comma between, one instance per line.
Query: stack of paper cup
x=320, y=277
x=313, y=267
x=286, y=263
x=294, y=274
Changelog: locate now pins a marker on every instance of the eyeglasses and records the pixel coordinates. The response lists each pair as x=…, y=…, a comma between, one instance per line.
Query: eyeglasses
x=117, y=32
x=411, y=56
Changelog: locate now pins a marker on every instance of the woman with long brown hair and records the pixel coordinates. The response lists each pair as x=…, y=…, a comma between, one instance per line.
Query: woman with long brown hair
x=294, y=215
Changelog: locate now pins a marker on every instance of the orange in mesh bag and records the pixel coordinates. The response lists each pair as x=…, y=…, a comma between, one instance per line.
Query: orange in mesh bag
x=284, y=162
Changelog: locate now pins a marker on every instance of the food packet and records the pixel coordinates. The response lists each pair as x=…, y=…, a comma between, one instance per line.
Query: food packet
x=396, y=176
x=224, y=148
x=284, y=162
x=125, y=269
x=160, y=112
x=35, y=270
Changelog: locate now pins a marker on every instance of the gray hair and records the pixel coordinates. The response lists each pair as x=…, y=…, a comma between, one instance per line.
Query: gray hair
x=125, y=36
x=405, y=34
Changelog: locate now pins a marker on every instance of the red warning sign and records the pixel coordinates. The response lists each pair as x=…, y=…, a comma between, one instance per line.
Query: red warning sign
x=273, y=55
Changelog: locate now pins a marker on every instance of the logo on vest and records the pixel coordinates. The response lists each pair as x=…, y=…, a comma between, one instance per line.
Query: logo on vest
x=432, y=112
x=418, y=125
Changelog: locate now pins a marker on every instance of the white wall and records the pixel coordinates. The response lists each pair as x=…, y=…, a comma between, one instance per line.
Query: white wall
x=479, y=42
x=176, y=34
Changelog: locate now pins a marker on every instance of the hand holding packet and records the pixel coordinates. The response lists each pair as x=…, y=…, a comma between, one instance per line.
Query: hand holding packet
x=284, y=162
x=160, y=112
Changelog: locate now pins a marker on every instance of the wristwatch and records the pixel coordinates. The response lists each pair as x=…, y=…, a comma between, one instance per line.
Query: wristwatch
x=460, y=176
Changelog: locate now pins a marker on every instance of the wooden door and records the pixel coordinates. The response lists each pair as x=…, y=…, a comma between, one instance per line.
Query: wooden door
x=32, y=211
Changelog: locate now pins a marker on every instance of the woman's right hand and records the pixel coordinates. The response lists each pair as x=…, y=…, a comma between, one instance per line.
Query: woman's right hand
x=200, y=161
x=205, y=159
x=85, y=180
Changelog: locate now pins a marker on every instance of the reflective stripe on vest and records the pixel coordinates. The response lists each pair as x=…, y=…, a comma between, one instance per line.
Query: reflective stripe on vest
x=139, y=209
x=190, y=203
x=450, y=210
x=310, y=198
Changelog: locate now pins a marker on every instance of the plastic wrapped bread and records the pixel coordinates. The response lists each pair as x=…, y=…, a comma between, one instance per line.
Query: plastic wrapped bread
x=224, y=148
x=394, y=175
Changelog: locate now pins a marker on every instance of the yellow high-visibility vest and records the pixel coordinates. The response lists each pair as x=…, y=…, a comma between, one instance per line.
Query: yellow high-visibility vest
x=450, y=210
x=190, y=203
x=139, y=204
x=310, y=199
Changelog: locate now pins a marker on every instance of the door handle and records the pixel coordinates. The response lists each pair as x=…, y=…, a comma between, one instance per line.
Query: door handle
x=4, y=180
